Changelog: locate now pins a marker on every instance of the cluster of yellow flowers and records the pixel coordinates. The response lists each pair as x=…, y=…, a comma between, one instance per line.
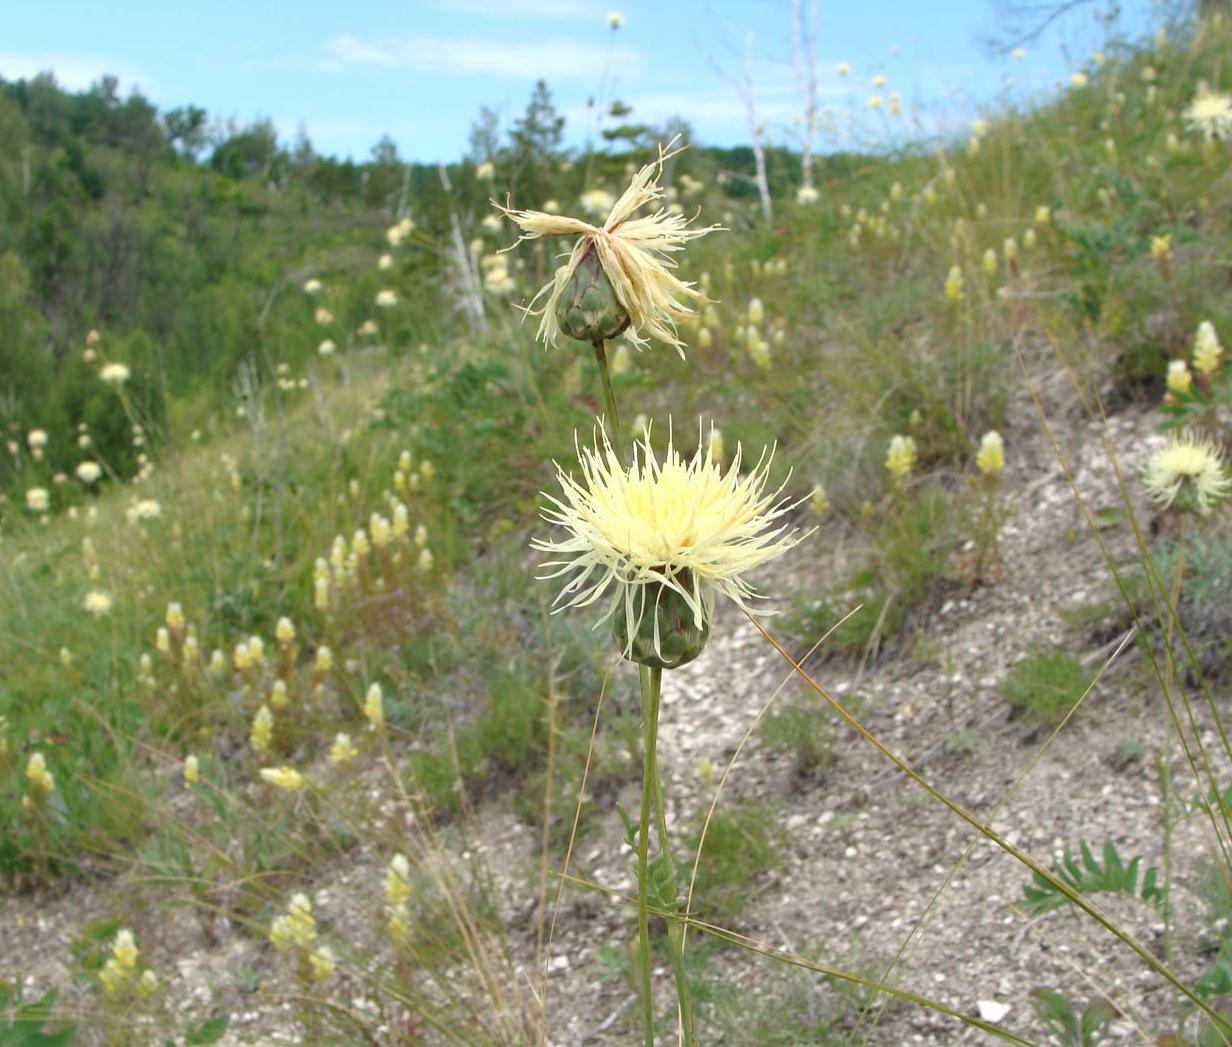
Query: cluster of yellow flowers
x=295, y=932
x=119, y=974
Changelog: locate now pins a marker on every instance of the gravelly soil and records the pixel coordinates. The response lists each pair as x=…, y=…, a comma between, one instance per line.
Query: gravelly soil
x=865, y=852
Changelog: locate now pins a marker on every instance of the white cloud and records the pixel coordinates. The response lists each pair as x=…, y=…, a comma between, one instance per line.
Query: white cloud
x=558, y=58
x=76, y=72
x=517, y=10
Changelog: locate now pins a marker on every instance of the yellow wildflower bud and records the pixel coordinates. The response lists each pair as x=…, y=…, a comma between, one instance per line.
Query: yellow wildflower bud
x=284, y=631
x=757, y=313
x=262, y=733
x=990, y=262
x=285, y=778
x=374, y=707
x=325, y=659
x=278, y=695
x=819, y=502
x=42, y=781
x=425, y=561
x=954, y=284
x=163, y=640
x=343, y=750
x=398, y=923
x=900, y=457
x=1207, y=350
x=398, y=880
x=175, y=617
x=192, y=769
x=1179, y=378
x=990, y=459
x=323, y=964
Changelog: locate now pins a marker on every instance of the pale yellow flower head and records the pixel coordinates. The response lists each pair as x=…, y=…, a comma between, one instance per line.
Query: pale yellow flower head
x=1210, y=113
x=635, y=253
x=286, y=778
x=990, y=459
x=262, y=733
x=398, y=880
x=900, y=457
x=374, y=707
x=689, y=526
x=1208, y=352
x=807, y=195
x=343, y=750
x=1188, y=463
x=42, y=781
x=97, y=602
x=1179, y=378
x=954, y=284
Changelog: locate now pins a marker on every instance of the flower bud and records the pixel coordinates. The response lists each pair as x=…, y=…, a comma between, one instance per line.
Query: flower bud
x=667, y=635
x=589, y=309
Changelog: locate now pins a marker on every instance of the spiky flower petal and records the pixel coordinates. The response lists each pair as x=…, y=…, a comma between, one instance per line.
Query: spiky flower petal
x=635, y=253
x=685, y=526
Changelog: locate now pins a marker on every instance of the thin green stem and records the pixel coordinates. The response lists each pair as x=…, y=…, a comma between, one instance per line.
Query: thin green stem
x=652, y=688
x=643, y=860
x=609, y=397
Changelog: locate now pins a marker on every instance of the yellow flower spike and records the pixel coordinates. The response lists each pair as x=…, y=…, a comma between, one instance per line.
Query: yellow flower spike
x=635, y=255
x=1208, y=352
x=990, y=459
x=286, y=778
x=819, y=501
x=323, y=964
x=192, y=770
x=42, y=781
x=900, y=457
x=343, y=750
x=1179, y=378
x=374, y=707
x=398, y=880
x=262, y=733
x=954, y=284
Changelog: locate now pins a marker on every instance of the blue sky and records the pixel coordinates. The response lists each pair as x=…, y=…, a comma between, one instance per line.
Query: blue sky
x=420, y=69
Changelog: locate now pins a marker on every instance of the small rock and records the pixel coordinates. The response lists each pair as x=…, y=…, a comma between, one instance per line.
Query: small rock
x=992, y=1010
